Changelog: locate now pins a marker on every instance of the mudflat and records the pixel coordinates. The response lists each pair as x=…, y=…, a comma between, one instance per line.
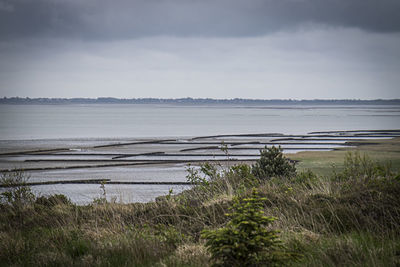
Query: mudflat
x=59, y=165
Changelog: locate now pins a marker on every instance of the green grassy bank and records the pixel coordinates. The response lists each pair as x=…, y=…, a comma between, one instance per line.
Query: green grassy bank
x=337, y=209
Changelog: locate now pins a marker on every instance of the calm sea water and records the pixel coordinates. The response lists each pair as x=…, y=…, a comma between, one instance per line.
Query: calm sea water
x=19, y=122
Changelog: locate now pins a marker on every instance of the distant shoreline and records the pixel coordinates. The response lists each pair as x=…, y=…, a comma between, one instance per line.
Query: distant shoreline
x=193, y=101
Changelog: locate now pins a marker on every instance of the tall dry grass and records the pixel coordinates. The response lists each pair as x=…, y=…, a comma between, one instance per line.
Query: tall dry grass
x=346, y=219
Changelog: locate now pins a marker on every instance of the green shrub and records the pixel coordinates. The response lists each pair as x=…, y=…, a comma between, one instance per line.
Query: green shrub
x=272, y=163
x=201, y=177
x=245, y=240
x=241, y=175
x=361, y=166
x=17, y=192
x=307, y=178
x=212, y=180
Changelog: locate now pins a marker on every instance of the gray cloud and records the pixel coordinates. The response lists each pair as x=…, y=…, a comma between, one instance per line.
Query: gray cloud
x=204, y=48
x=303, y=64
x=6, y=7
x=123, y=19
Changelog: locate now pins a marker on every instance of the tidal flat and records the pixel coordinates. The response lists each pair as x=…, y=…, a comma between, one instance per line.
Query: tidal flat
x=131, y=166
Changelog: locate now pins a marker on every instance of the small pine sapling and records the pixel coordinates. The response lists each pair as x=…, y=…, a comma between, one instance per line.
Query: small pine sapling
x=245, y=240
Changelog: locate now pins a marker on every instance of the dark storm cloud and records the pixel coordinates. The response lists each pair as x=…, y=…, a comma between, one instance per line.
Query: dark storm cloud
x=116, y=19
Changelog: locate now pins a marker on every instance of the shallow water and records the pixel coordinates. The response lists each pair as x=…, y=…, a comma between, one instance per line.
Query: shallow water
x=21, y=122
x=80, y=128
x=83, y=194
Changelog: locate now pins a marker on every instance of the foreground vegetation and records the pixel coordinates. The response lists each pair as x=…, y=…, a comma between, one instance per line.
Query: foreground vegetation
x=268, y=214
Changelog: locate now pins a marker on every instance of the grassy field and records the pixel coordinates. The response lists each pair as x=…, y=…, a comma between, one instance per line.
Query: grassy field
x=322, y=162
x=339, y=209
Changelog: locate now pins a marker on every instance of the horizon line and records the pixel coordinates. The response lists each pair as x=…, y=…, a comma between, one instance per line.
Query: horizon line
x=197, y=98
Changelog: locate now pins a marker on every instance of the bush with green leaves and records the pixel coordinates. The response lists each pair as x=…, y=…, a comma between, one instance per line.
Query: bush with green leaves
x=272, y=163
x=17, y=193
x=246, y=240
x=210, y=180
x=358, y=166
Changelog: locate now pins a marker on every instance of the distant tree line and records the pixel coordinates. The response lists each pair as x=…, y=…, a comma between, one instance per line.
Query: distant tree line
x=195, y=101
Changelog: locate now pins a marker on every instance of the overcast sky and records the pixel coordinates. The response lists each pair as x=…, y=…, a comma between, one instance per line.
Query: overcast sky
x=299, y=49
